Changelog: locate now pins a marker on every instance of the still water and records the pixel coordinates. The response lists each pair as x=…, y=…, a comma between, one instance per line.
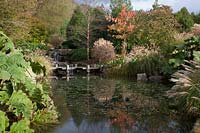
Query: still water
x=99, y=105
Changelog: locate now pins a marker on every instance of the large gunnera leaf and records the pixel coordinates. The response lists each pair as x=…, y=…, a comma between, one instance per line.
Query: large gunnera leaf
x=6, y=45
x=4, y=75
x=4, y=96
x=20, y=104
x=21, y=127
x=4, y=122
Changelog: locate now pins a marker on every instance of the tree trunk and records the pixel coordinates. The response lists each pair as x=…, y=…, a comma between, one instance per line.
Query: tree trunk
x=124, y=46
x=88, y=36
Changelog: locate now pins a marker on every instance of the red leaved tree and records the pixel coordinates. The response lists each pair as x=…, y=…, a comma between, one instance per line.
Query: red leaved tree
x=122, y=25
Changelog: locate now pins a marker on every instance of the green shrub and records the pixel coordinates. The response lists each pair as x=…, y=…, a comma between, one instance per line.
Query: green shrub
x=28, y=47
x=184, y=51
x=78, y=54
x=69, y=44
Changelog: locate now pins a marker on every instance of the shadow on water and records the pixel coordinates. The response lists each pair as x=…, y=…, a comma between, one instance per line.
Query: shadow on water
x=100, y=105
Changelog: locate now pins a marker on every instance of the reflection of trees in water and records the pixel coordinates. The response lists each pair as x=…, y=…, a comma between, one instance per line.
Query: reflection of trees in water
x=129, y=106
x=140, y=101
x=95, y=127
x=59, y=100
x=121, y=120
x=104, y=90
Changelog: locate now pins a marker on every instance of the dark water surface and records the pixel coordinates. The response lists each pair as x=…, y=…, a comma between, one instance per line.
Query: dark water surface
x=99, y=105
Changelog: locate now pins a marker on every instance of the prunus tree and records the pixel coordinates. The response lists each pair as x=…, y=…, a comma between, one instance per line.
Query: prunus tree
x=116, y=6
x=122, y=26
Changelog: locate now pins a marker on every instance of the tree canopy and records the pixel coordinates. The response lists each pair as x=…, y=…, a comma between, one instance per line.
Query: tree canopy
x=116, y=6
x=185, y=19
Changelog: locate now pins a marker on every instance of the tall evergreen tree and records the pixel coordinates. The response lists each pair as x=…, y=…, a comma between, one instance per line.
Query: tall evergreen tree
x=196, y=17
x=76, y=29
x=155, y=5
x=185, y=19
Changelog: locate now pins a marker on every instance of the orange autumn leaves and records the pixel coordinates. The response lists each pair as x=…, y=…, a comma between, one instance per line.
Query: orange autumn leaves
x=123, y=23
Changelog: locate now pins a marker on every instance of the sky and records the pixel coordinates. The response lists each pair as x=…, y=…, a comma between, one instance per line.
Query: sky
x=191, y=5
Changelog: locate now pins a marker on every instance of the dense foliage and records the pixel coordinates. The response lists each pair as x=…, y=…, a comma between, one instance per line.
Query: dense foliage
x=18, y=21
x=184, y=51
x=79, y=54
x=154, y=28
x=185, y=19
x=196, y=17
x=122, y=26
x=22, y=98
x=77, y=29
x=116, y=6
x=56, y=14
x=33, y=21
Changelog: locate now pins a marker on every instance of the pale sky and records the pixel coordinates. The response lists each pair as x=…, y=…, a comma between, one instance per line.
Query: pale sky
x=192, y=5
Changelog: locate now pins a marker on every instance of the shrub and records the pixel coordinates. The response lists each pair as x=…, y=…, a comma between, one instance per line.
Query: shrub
x=103, y=51
x=78, y=54
x=28, y=47
x=184, y=51
x=69, y=44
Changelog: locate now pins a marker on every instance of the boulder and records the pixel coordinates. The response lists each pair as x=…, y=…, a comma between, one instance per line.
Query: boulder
x=142, y=77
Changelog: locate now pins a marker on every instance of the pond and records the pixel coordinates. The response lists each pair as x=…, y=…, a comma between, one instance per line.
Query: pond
x=100, y=105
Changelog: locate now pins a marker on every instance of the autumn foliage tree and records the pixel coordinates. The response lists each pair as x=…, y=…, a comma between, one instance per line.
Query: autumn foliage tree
x=122, y=26
x=155, y=29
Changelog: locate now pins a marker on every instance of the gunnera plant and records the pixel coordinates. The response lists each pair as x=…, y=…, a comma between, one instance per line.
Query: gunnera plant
x=103, y=51
x=186, y=90
x=23, y=101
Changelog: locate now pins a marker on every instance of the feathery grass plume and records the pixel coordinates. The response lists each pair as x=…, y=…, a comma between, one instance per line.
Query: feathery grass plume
x=187, y=87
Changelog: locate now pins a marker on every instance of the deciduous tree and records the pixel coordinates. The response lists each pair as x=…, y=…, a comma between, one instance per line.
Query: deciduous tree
x=122, y=26
x=155, y=28
x=116, y=6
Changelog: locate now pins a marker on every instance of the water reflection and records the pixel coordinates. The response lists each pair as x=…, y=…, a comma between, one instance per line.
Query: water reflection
x=96, y=105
